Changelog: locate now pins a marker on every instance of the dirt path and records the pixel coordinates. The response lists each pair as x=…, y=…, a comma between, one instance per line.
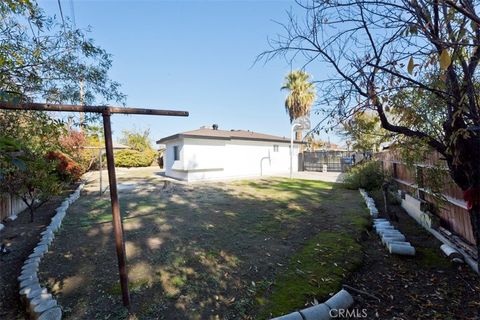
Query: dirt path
x=426, y=286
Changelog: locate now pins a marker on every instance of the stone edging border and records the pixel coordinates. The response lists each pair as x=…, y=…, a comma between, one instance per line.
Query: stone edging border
x=393, y=239
x=38, y=302
x=330, y=309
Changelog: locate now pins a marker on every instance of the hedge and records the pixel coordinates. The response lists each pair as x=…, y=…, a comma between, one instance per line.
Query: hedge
x=368, y=175
x=67, y=169
x=133, y=158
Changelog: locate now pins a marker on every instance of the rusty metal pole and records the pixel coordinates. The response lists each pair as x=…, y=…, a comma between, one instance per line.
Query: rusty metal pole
x=117, y=219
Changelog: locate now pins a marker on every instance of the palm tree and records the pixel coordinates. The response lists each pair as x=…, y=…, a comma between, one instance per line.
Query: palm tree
x=301, y=96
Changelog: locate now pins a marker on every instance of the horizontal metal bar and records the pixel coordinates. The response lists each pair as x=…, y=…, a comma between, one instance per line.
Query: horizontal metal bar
x=92, y=109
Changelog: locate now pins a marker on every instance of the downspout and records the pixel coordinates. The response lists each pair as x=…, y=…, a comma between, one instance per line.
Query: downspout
x=261, y=162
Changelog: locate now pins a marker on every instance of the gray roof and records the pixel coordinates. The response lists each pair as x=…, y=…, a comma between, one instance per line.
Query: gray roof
x=205, y=133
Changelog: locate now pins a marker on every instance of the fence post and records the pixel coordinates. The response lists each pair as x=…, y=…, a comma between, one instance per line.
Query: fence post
x=301, y=165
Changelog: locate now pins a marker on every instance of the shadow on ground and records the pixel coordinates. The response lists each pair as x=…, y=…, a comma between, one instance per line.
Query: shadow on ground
x=203, y=251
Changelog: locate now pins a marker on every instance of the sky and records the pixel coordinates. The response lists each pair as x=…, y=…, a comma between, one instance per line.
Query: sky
x=196, y=56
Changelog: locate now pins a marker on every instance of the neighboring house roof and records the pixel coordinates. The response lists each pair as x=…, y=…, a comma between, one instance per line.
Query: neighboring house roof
x=204, y=133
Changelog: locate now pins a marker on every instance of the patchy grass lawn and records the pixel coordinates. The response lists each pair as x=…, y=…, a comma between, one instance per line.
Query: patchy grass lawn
x=238, y=250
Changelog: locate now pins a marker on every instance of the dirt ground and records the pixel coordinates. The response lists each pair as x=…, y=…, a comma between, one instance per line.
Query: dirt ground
x=203, y=251
x=20, y=236
x=227, y=250
x=426, y=286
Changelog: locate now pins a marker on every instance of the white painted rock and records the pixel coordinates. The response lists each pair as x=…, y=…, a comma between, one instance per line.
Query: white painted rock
x=54, y=313
x=453, y=254
x=291, y=316
x=341, y=300
x=24, y=291
x=31, y=274
x=317, y=312
x=34, y=293
x=29, y=282
x=43, y=306
x=405, y=243
x=30, y=270
x=43, y=297
x=386, y=239
x=41, y=248
x=401, y=249
x=32, y=264
x=387, y=232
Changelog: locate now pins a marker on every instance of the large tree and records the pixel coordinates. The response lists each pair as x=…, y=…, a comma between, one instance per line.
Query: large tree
x=301, y=95
x=378, y=50
x=43, y=58
x=365, y=132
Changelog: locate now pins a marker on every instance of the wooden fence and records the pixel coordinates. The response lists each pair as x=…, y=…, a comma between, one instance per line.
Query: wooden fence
x=10, y=206
x=451, y=209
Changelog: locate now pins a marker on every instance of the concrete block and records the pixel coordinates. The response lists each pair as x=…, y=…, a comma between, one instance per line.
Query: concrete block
x=386, y=239
x=382, y=223
x=291, y=316
x=43, y=297
x=41, y=248
x=26, y=276
x=36, y=254
x=29, y=282
x=54, y=313
x=60, y=209
x=317, y=312
x=30, y=270
x=35, y=293
x=383, y=230
x=405, y=243
x=32, y=260
x=451, y=253
x=388, y=231
x=401, y=249
x=341, y=300
x=42, y=307
x=24, y=291
x=45, y=242
x=46, y=231
x=48, y=236
x=29, y=265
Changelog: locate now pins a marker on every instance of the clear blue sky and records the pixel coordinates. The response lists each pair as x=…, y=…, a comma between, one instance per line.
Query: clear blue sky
x=192, y=55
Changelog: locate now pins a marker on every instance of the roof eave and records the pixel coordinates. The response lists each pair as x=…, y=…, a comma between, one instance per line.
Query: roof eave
x=192, y=136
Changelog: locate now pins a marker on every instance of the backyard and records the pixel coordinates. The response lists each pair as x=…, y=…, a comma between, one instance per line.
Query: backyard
x=243, y=249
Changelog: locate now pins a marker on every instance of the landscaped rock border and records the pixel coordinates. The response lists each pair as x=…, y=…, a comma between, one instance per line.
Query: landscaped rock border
x=393, y=239
x=342, y=300
x=39, y=303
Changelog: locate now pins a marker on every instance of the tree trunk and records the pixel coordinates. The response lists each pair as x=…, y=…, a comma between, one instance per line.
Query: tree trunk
x=30, y=209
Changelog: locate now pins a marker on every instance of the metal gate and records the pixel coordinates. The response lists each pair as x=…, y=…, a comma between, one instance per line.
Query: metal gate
x=338, y=161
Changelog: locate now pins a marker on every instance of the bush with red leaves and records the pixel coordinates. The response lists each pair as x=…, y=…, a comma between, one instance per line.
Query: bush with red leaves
x=67, y=169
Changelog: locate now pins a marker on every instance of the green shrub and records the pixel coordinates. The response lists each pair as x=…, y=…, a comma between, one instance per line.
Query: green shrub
x=134, y=158
x=368, y=175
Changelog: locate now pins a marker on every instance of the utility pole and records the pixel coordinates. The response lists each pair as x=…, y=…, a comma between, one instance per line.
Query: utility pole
x=82, y=115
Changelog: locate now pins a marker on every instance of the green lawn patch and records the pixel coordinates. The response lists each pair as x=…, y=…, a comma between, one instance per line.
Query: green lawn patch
x=316, y=271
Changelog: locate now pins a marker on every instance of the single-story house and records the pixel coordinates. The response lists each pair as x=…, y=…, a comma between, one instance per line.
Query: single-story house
x=211, y=154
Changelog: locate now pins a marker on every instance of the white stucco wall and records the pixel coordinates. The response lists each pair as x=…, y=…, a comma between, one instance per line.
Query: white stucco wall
x=211, y=159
